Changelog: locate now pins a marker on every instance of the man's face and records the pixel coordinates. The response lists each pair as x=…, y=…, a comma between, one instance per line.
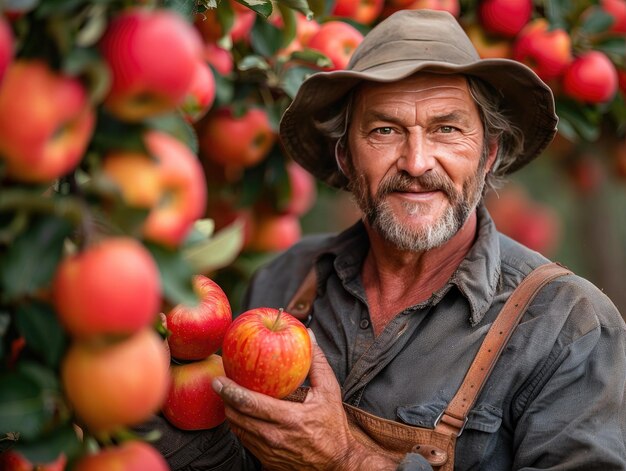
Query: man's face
x=415, y=158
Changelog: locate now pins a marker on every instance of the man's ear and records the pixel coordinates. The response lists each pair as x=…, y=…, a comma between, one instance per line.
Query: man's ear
x=491, y=156
x=341, y=154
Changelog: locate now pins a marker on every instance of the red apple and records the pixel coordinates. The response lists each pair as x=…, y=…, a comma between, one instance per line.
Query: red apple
x=224, y=213
x=201, y=93
x=305, y=28
x=337, y=40
x=6, y=46
x=46, y=122
x=361, y=11
x=267, y=350
x=547, y=51
x=129, y=456
x=236, y=141
x=191, y=403
x=591, y=78
x=152, y=55
x=488, y=47
x=586, y=174
x=218, y=57
x=504, y=17
x=112, y=287
x=111, y=385
x=303, y=190
x=12, y=460
x=617, y=9
x=451, y=6
x=170, y=181
x=198, y=331
x=621, y=80
x=212, y=30
x=274, y=232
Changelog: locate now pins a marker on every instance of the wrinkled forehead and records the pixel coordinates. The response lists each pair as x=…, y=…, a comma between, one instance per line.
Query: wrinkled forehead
x=416, y=86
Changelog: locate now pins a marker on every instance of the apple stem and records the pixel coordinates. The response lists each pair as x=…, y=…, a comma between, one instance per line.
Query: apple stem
x=280, y=312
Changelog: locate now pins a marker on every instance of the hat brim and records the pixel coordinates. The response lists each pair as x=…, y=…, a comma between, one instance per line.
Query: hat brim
x=527, y=102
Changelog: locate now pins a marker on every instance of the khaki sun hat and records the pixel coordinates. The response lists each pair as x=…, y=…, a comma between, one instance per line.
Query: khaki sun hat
x=407, y=42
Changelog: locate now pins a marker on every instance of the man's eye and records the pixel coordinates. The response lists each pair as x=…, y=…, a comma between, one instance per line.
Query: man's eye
x=447, y=129
x=383, y=130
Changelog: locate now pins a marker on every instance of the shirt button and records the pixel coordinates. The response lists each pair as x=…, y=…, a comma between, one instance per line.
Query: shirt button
x=364, y=324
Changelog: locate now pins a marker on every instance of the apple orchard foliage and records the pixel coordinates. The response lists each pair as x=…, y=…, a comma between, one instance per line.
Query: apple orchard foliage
x=114, y=138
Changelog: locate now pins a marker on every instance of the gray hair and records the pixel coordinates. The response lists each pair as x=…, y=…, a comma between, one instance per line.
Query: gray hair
x=496, y=126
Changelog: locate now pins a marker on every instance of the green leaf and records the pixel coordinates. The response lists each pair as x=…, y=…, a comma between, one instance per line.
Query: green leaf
x=176, y=125
x=265, y=38
x=185, y=8
x=176, y=275
x=556, y=12
x=583, y=119
x=262, y=7
x=32, y=258
x=303, y=6
x=311, y=56
x=87, y=63
x=22, y=406
x=597, y=21
x=614, y=47
x=217, y=252
x=289, y=28
x=292, y=78
x=46, y=449
x=113, y=134
x=253, y=62
x=39, y=325
x=202, y=229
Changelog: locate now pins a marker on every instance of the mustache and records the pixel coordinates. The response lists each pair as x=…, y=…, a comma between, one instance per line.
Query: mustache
x=426, y=182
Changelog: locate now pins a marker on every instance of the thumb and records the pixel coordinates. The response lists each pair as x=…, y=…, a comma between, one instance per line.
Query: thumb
x=321, y=375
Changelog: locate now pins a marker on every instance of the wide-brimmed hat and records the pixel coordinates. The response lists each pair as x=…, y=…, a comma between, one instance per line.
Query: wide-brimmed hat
x=407, y=42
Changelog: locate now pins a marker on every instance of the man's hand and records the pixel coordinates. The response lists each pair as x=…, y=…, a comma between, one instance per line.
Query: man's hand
x=286, y=435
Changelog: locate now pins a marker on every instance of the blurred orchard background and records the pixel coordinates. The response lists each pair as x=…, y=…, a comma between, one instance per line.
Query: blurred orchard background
x=138, y=147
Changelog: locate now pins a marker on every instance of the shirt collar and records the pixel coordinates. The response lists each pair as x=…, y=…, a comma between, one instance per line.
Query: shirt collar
x=476, y=277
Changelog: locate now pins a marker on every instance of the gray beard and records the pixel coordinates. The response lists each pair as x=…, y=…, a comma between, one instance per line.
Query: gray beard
x=378, y=213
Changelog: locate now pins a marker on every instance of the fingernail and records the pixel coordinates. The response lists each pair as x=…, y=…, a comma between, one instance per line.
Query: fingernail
x=217, y=385
x=312, y=335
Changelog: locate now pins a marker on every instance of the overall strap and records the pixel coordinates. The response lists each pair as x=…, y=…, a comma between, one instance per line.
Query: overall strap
x=454, y=417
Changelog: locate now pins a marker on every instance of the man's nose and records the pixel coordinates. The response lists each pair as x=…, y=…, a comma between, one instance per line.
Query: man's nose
x=416, y=155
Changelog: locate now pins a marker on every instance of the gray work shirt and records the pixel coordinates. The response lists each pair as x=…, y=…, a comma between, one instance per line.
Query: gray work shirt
x=556, y=397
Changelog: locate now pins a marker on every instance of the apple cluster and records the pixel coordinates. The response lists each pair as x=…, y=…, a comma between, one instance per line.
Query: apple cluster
x=96, y=152
x=196, y=334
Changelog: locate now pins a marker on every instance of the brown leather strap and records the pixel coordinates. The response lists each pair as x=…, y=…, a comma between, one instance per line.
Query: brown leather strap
x=302, y=301
x=453, y=419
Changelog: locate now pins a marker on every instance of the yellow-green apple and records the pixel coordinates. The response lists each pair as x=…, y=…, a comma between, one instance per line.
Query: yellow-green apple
x=548, y=51
x=617, y=9
x=274, y=232
x=198, y=331
x=12, y=460
x=116, y=383
x=191, y=403
x=591, y=78
x=361, y=11
x=451, y=6
x=131, y=455
x=112, y=287
x=219, y=58
x=488, y=46
x=201, y=93
x=236, y=141
x=267, y=350
x=46, y=122
x=504, y=17
x=337, y=40
x=170, y=181
x=303, y=191
x=152, y=55
x=211, y=29
x=6, y=46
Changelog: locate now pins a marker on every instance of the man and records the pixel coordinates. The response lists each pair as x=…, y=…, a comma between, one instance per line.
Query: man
x=415, y=129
